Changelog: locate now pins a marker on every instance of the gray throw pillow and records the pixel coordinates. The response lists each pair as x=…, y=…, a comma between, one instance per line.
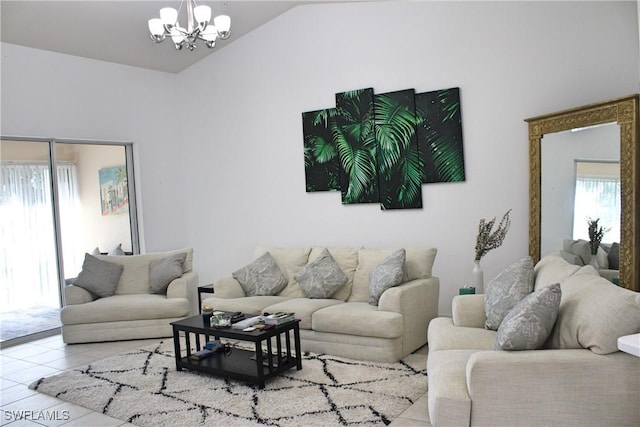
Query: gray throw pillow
x=164, y=271
x=528, y=325
x=261, y=277
x=322, y=277
x=614, y=256
x=386, y=275
x=506, y=290
x=99, y=277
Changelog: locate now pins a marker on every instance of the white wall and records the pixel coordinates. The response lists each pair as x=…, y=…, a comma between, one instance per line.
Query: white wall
x=229, y=174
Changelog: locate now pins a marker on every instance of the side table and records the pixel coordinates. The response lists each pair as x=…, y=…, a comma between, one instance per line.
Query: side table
x=630, y=344
x=204, y=289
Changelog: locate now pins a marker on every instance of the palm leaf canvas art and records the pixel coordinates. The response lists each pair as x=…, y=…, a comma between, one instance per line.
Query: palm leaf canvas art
x=355, y=139
x=399, y=172
x=382, y=148
x=321, y=162
x=439, y=134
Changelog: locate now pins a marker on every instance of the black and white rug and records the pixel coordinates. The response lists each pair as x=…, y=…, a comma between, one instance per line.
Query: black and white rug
x=143, y=387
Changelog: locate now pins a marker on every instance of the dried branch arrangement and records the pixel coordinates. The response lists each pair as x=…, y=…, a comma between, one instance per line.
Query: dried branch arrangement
x=488, y=240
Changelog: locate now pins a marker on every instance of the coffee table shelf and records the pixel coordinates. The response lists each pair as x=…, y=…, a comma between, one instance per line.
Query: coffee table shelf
x=238, y=363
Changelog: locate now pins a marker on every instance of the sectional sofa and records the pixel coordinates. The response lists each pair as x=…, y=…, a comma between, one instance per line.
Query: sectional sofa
x=345, y=323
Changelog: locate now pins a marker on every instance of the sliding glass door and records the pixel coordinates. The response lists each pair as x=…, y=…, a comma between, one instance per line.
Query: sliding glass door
x=51, y=217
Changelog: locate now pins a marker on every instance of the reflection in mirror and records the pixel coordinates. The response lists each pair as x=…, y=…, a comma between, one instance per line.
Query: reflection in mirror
x=555, y=179
x=564, y=187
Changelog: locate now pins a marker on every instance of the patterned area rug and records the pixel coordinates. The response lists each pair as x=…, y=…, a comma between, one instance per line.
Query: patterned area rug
x=143, y=387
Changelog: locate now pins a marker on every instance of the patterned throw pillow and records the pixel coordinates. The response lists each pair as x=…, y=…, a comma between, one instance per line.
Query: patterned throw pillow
x=528, y=325
x=99, y=277
x=164, y=271
x=261, y=277
x=506, y=290
x=387, y=274
x=322, y=277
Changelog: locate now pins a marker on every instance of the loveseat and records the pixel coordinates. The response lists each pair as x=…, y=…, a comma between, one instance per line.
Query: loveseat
x=128, y=297
x=577, y=378
x=343, y=323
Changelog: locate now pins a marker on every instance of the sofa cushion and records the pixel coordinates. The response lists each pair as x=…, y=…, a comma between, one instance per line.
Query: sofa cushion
x=303, y=308
x=387, y=274
x=261, y=277
x=449, y=401
x=360, y=319
x=321, y=277
x=163, y=271
x=135, y=276
x=347, y=259
x=593, y=313
x=125, y=307
x=528, y=325
x=99, y=277
x=553, y=269
x=290, y=261
x=505, y=290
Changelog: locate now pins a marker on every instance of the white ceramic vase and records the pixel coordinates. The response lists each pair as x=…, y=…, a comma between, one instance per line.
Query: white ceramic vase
x=477, y=277
x=594, y=262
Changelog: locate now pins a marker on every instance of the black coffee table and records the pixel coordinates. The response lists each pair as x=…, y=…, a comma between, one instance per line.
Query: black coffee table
x=246, y=365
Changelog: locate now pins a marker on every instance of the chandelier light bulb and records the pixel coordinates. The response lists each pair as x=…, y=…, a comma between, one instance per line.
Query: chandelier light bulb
x=210, y=33
x=177, y=37
x=169, y=16
x=156, y=29
x=202, y=15
x=223, y=24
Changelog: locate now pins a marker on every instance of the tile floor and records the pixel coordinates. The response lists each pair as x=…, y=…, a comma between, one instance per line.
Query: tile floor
x=22, y=364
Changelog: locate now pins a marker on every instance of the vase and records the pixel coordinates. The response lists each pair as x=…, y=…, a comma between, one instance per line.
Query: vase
x=477, y=277
x=594, y=262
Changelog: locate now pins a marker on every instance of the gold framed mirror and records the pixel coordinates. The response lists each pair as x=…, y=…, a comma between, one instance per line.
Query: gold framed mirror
x=624, y=113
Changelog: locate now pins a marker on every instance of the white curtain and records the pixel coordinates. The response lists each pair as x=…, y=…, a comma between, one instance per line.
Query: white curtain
x=597, y=197
x=28, y=268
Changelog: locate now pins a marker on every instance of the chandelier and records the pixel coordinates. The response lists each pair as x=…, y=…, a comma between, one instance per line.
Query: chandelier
x=199, y=26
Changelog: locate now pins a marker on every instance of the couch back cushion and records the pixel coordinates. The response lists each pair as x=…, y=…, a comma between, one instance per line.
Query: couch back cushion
x=347, y=260
x=593, y=313
x=552, y=268
x=289, y=261
x=135, y=275
x=418, y=265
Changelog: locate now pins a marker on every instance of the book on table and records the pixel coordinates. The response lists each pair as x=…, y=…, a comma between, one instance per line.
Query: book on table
x=279, y=318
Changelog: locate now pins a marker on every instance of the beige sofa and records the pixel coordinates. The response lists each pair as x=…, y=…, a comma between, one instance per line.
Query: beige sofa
x=578, y=379
x=133, y=312
x=346, y=324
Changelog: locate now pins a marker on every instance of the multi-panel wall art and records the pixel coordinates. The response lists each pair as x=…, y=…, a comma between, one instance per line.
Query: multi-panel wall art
x=381, y=148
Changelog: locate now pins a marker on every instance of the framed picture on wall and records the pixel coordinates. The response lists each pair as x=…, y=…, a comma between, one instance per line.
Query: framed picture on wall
x=114, y=190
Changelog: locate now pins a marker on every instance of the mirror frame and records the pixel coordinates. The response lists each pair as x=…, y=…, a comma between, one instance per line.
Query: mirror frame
x=623, y=111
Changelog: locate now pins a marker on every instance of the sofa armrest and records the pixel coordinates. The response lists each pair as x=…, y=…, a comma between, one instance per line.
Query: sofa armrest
x=74, y=295
x=179, y=288
x=228, y=287
x=553, y=387
x=468, y=311
x=417, y=301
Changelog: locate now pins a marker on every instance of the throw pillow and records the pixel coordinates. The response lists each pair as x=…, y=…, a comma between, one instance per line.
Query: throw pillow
x=261, y=277
x=322, y=277
x=387, y=274
x=99, y=277
x=529, y=323
x=164, y=271
x=506, y=290
x=95, y=251
x=117, y=250
x=579, y=247
x=614, y=256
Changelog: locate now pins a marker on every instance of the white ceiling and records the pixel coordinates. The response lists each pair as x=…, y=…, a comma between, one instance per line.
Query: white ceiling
x=116, y=31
